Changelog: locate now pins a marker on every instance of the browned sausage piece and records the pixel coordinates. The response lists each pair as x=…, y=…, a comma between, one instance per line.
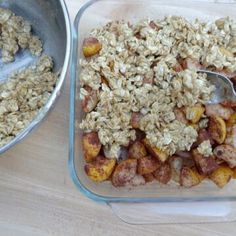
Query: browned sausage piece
x=124, y=172
x=177, y=67
x=191, y=64
x=218, y=110
x=203, y=135
x=226, y=153
x=89, y=101
x=189, y=177
x=135, y=119
x=137, y=150
x=180, y=116
x=229, y=104
x=163, y=173
x=205, y=165
x=147, y=165
x=149, y=177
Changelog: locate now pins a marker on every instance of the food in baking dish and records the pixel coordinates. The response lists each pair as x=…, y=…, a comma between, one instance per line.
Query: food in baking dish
x=146, y=107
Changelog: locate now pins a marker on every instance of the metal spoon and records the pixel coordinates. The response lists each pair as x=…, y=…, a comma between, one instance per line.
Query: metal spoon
x=224, y=87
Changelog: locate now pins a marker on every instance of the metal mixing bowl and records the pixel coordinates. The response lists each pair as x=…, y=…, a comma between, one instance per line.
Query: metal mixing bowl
x=50, y=21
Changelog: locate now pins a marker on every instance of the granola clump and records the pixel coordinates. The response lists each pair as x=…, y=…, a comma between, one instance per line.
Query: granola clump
x=16, y=33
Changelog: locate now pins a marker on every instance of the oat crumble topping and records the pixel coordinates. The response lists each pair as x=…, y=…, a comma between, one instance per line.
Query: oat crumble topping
x=203, y=123
x=138, y=62
x=15, y=34
x=25, y=92
x=205, y=148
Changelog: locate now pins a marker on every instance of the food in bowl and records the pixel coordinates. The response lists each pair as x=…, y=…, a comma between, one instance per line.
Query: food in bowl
x=16, y=34
x=146, y=107
x=25, y=92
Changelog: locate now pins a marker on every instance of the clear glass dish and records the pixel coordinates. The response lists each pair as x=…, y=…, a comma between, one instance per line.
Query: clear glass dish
x=151, y=203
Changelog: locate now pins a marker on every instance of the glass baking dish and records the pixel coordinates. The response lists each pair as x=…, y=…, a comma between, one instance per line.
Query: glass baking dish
x=151, y=203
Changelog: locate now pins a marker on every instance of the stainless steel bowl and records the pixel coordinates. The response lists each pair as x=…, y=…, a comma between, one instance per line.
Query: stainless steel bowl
x=50, y=21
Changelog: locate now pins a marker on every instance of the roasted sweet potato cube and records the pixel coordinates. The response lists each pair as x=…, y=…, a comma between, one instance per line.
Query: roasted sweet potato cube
x=200, y=175
x=189, y=177
x=221, y=176
x=155, y=151
x=137, y=150
x=163, y=173
x=100, y=169
x=149, y=177
x=135, y=119
x=218, y=110
x=91, y=145
x=194, y=113
x=89, y=101
x=205, y=165
x=91, y=46
x=234, y=172
x=217, y=129
x=124, y=172
x=147, y=165
x=226, y=153
x=231, y=121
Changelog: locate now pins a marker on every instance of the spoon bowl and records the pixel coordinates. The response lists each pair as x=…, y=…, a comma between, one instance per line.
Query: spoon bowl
x=224, y=88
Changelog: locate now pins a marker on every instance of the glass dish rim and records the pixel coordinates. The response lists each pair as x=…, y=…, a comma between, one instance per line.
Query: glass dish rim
x=71, y=163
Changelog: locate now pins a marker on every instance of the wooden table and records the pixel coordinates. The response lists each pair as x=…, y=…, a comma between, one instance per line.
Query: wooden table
x=37, y=196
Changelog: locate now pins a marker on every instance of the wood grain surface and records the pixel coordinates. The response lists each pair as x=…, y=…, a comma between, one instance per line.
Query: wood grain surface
x=38, y=198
